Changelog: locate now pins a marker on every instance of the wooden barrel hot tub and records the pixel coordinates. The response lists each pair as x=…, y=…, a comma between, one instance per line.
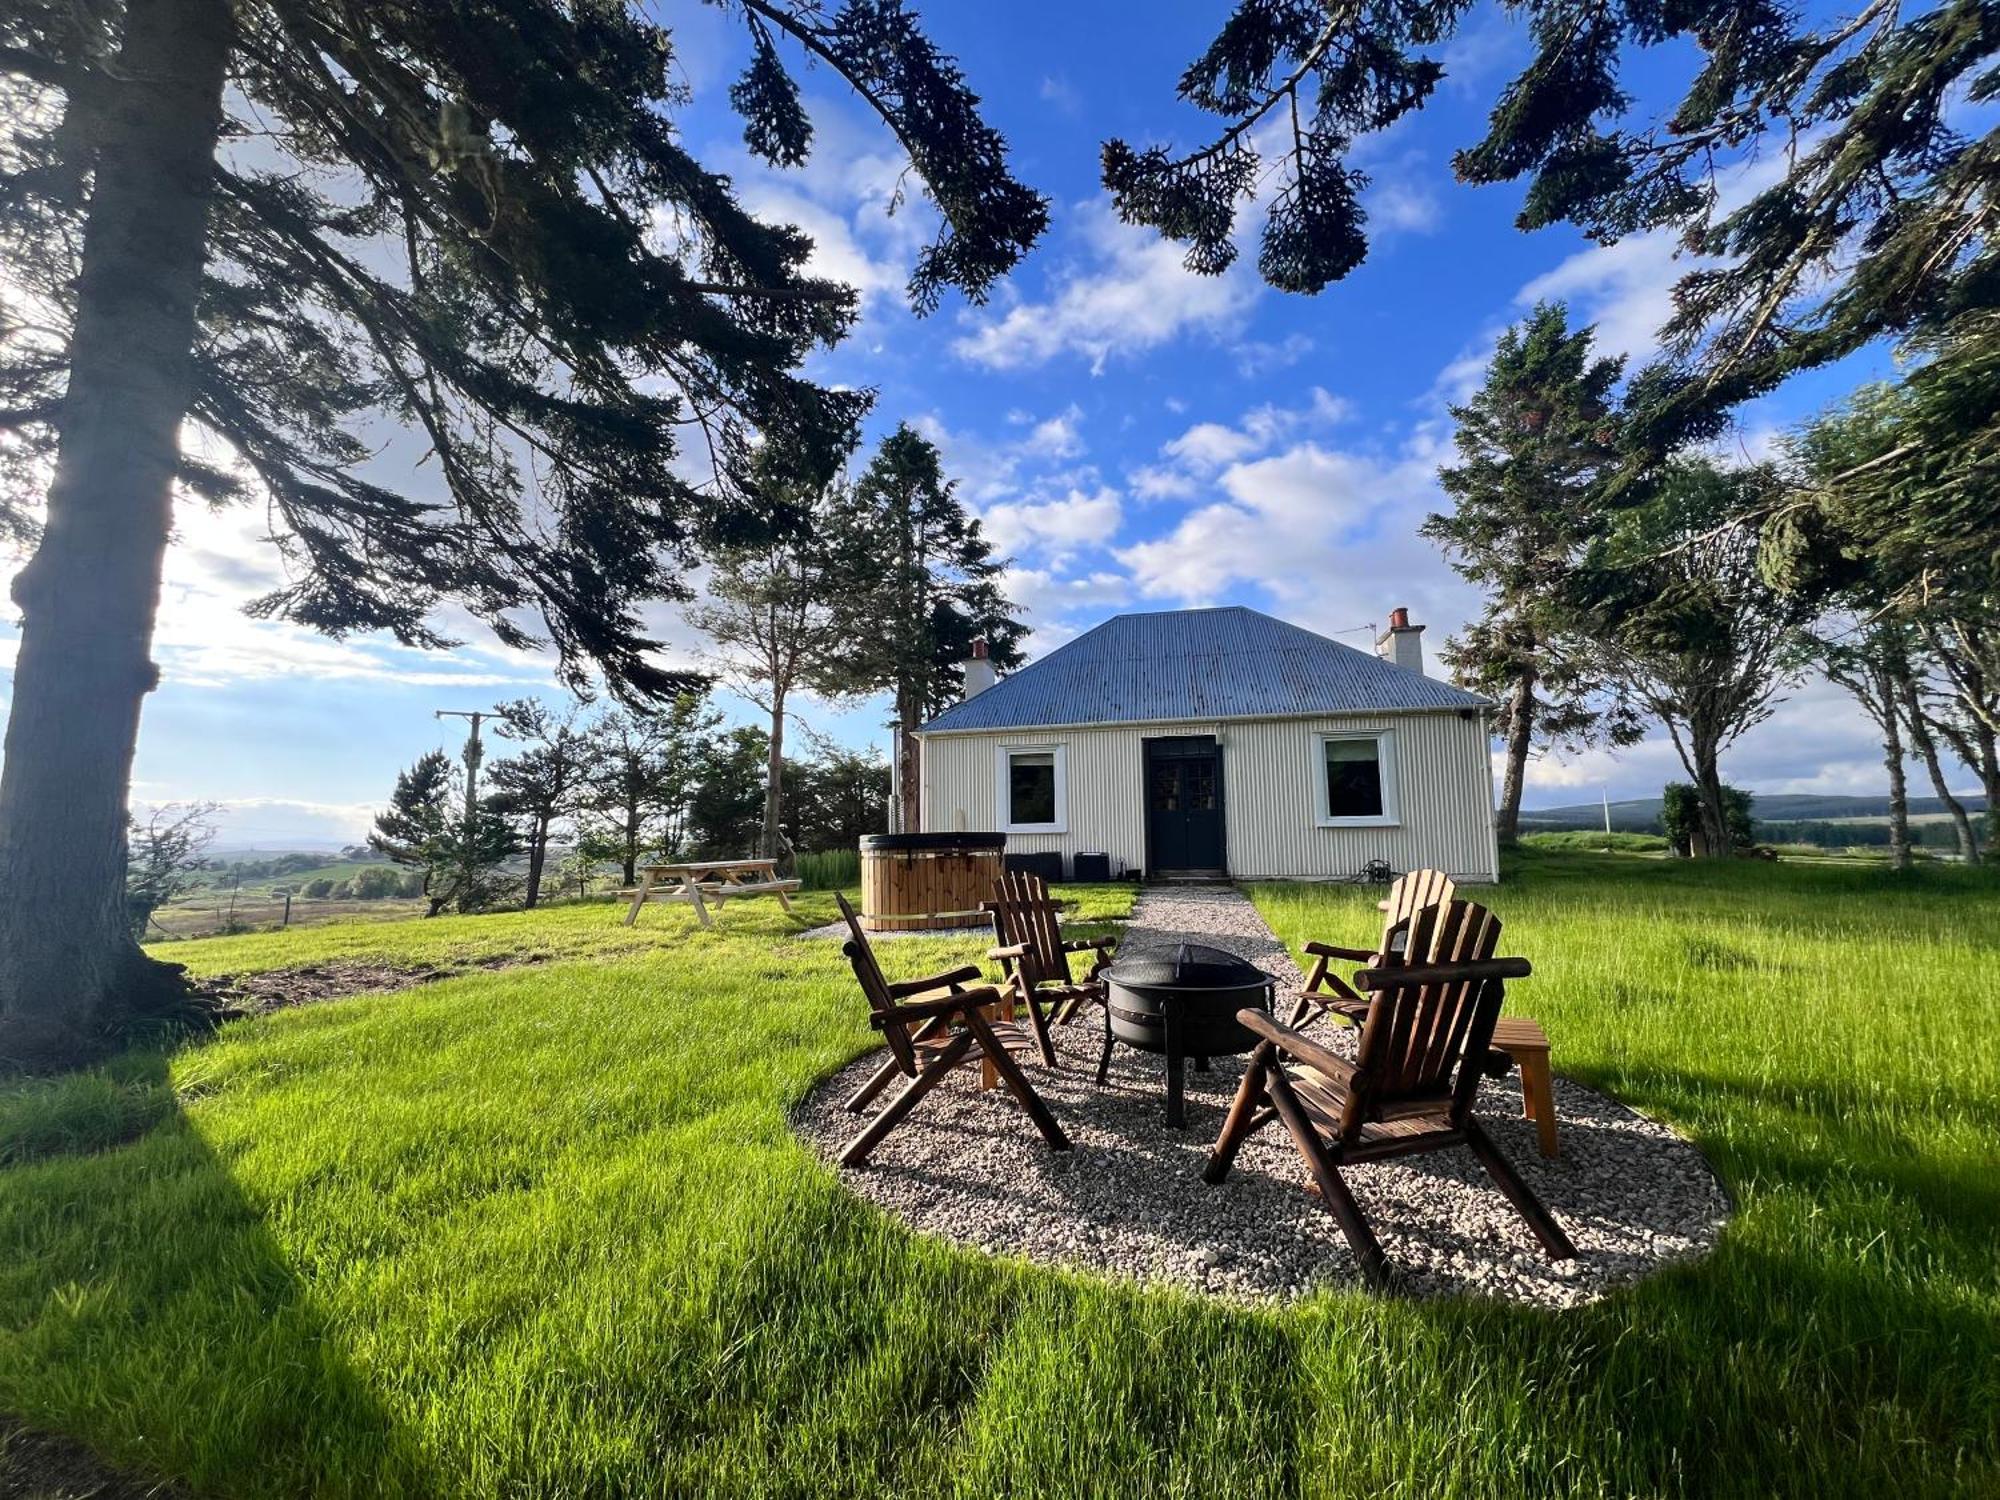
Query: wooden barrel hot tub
x=914, y=882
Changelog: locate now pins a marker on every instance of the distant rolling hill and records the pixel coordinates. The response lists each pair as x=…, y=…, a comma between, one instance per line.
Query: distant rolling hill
x=1642, y=814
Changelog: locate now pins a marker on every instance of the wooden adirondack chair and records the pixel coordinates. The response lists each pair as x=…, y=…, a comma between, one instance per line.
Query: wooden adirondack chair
x=1034, y=955
x=1328, y=994
x=1411, y=1087
x=932, y=1026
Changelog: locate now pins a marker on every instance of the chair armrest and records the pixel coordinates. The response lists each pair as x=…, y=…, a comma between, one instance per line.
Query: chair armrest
x=1378, y=980
x=1012, y=950
x=1085, y=945
x=942, y=1007
x=1355, y=955
x=904, y=987
x=1299, y=1048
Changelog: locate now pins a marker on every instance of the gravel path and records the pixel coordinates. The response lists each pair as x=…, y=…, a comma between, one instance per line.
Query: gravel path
x=1128, y=1200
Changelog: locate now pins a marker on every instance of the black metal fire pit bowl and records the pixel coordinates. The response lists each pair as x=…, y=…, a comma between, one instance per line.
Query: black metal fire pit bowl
x=1184, y=1006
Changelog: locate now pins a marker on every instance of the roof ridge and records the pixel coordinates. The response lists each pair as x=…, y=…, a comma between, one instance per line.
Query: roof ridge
x=1277, y=669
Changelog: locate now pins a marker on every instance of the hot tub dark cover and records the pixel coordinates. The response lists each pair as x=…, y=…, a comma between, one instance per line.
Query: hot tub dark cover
x=1193, y=966
x=910, y=843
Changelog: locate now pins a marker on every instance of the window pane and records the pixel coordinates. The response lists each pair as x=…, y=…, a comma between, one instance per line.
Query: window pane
x=1031, y=786
x=1353, y=779
x=1201, y=785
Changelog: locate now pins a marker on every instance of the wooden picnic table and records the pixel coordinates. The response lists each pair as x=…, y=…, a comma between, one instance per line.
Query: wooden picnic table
x=709, y=882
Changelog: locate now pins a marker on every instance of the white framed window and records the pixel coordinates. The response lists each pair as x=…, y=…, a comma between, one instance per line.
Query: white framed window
x=1033, y=783
x=1355, y=776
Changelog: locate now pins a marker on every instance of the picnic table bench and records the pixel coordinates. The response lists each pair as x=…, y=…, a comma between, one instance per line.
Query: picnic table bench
x=710, y=882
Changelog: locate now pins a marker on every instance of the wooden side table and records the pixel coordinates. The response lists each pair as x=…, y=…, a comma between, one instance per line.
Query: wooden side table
x=1524, y=1040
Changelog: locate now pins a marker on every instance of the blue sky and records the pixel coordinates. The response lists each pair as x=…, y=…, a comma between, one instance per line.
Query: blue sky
x=1135, y=437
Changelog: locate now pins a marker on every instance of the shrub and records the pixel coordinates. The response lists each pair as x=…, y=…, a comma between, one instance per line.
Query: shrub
x=830, y=869
x=376, y=883
x=318, y=890
x=1680, y=812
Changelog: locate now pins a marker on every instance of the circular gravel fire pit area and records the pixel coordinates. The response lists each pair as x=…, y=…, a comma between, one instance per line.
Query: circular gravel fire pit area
x=1128, y=1201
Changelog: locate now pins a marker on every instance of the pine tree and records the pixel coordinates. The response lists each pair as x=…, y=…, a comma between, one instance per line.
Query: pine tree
x=836, y=796
x=425, y=828
x=924, y=585
x=538, y=787
x=642, y=770
x=276, y=219
x=726, y=801
x=770, y=610
x=1533, y=443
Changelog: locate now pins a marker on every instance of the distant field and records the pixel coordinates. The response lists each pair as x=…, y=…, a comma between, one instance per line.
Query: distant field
x=211, y=913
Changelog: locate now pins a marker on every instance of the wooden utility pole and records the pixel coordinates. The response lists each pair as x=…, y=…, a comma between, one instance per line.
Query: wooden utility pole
x=472, y=757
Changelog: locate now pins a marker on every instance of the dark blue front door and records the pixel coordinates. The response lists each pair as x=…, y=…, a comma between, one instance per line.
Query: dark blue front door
x=1183, y=804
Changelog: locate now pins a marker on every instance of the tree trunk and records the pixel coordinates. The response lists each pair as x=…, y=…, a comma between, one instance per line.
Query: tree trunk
x=1520, y=736
x=1988, y=749
x=538, y=853
x=1899, y=789
x=1926, y=745
x=909, y=789
x=631, y=843
x=774, y=786
x=70, y=969
x=1708, y=791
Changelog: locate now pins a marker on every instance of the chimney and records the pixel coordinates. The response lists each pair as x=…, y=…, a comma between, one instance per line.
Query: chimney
x=979, y=673
x=1403, y=643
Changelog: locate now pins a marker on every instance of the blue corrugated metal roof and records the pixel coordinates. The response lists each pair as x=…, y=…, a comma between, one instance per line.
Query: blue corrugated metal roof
x=1231, y=663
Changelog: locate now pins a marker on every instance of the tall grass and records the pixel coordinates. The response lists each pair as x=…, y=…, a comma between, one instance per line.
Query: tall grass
x=1583, y=840
x=830, y=869
x=546, y=1232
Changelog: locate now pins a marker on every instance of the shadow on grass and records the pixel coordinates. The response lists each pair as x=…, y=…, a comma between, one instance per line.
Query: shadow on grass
x=144, y=1302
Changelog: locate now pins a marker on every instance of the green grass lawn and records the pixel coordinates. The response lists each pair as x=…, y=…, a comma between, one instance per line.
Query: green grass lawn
x=542, y=1231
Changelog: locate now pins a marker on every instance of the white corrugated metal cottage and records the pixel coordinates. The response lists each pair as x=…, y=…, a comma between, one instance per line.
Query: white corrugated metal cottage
x=1220, y=741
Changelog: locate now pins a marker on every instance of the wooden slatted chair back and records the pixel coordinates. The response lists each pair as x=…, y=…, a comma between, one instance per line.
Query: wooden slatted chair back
x=1421, y=1045
x=875, y=985
x=1024, y=912
x=1409, y=895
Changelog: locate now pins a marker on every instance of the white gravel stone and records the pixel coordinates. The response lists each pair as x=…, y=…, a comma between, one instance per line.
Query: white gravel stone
x=1128, y=1201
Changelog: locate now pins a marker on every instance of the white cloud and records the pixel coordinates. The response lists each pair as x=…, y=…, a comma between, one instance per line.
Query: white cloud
x=1163, y=482
x=1058, y=437
x=271, y=821
x=1626, y=289
x=1207, y=447
x=1050, y=600
x=837, y=252
x=1458, y=381
x=1210, y=445
x=1401, y=204
x=1255, y=357
x=1132, y=294
x=1817, y=740
x=221, y=560
x=1329, y=535
x=1056, y=527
